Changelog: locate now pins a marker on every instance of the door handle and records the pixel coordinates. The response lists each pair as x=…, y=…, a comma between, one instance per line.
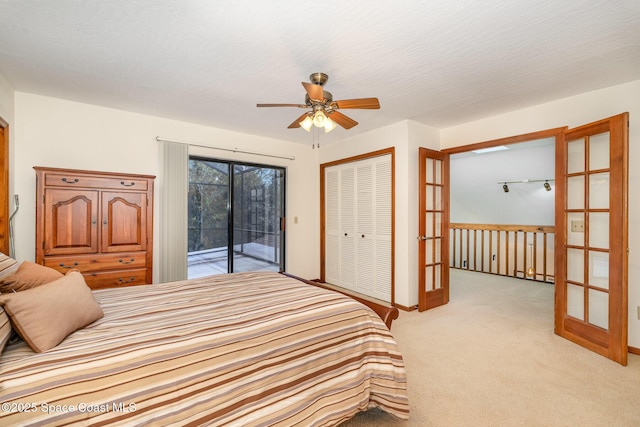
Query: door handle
x=425, y=238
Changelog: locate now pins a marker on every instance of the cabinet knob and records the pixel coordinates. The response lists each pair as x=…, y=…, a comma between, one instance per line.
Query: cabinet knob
x=127, y=184
x=70, y=181
x=126, y=262
x=131, y=279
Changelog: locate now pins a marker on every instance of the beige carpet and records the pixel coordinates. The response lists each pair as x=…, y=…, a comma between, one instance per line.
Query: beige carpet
x=490, y=358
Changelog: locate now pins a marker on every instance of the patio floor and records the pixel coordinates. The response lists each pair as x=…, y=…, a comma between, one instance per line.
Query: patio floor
x=207, y=263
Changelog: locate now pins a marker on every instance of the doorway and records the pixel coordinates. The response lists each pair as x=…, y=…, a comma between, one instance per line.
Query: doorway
x=591, y=242
x=235, y=217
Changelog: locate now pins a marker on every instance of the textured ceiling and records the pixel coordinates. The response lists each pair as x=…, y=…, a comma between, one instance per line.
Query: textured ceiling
x=439, y=63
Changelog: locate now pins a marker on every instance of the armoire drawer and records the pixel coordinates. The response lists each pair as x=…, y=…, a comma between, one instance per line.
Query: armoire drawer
x=93, y=262
x=114, y=279
x=71, y=180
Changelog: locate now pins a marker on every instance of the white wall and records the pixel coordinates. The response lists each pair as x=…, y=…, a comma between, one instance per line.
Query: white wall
x=58, y=133
x=405, y=137
x=7, y=114
x=476, y=197
x=575, y=111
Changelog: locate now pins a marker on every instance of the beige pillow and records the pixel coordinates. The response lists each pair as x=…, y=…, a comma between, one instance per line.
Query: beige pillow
x=47, y=314
x=5, y=329
x=27, y=276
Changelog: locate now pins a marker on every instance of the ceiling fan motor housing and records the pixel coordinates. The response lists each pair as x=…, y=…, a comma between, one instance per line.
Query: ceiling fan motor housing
x=319, y=78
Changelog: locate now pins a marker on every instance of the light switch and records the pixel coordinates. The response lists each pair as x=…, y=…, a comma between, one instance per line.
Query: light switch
x=295, y=219
x=577, y=226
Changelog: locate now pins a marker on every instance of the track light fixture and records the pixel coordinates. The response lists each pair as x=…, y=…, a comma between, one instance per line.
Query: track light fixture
x=546, y=185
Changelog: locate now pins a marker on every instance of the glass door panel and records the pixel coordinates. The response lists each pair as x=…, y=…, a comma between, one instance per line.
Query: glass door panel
x=208, y=218
x=235, y=217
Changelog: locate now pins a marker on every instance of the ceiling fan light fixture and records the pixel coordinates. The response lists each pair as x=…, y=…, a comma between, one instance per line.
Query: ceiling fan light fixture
x=307, y=123
x=329, y=125
x=319, y=118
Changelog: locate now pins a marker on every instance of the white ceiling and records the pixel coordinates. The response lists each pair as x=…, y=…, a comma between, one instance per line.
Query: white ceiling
x=439, y=63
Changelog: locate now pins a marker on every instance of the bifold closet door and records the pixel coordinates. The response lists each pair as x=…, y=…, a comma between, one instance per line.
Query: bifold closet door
x=358, y=226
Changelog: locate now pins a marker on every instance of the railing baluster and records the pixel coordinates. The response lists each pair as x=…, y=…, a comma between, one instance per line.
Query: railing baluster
x=461, y=235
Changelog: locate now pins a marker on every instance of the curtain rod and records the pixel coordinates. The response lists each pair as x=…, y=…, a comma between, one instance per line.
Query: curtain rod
x=233, y=150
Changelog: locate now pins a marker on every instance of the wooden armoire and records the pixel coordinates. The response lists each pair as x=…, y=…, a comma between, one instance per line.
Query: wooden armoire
x=100, y=223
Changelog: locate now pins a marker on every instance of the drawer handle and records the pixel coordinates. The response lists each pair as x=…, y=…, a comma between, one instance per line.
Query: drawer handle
x=121, y=280
x=75, y=264
x=126, y=262
x=68, y=181
x=127, y=185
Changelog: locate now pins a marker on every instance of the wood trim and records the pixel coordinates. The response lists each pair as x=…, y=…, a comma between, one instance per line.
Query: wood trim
x=634, y=350
x=4, y=188
x=372, y=154
x=386, y=313
x=548, y=133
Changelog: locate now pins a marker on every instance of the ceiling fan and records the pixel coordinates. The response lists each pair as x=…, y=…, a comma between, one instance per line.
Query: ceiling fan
x=322, y=109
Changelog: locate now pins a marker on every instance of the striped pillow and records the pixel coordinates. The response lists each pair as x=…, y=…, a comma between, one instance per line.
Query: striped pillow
x=8, y=265
x=5, y=329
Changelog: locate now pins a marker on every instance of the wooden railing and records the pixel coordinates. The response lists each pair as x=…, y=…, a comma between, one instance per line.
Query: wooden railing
x=524, y=251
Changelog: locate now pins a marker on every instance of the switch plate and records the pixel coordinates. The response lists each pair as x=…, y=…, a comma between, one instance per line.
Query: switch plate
x=577, y=226
x=295, y=219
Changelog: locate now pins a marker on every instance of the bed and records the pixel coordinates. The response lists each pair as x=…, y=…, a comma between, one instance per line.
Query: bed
x=243, y=349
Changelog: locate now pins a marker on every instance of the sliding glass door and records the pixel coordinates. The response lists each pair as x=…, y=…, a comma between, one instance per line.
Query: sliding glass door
x=236, y=217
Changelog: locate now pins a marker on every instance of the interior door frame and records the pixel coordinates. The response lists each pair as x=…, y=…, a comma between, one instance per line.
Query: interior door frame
x=5, y=235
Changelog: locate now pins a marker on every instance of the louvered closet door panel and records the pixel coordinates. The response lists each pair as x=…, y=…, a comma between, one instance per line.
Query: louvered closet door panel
x=365, y=228
x=348, y=251
x=383, y=228
x=332, y=226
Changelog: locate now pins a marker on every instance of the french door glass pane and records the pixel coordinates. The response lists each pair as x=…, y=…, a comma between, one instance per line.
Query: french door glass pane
x=575, y=192
x=599, y=191
x=575, y=161
x=599, y=269
x=599, y=151
x=575, y=238
x=599, y=230
x=599, y=308
x=575, y=265
x=575, y=301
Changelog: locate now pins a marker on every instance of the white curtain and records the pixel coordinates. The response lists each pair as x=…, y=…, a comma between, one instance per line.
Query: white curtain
x=173, y=215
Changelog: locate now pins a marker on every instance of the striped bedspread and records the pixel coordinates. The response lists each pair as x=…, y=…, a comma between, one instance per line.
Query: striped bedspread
x=244, y=349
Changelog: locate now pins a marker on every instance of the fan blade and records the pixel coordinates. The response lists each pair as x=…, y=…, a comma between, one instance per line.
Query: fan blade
x=342, y=120
x=282, y=105
x=363, y=103
x=315, y=91
x=296, y=122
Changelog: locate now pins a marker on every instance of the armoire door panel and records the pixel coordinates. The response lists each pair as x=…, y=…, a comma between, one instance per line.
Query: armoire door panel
x=70, y=221
x=122, y=217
